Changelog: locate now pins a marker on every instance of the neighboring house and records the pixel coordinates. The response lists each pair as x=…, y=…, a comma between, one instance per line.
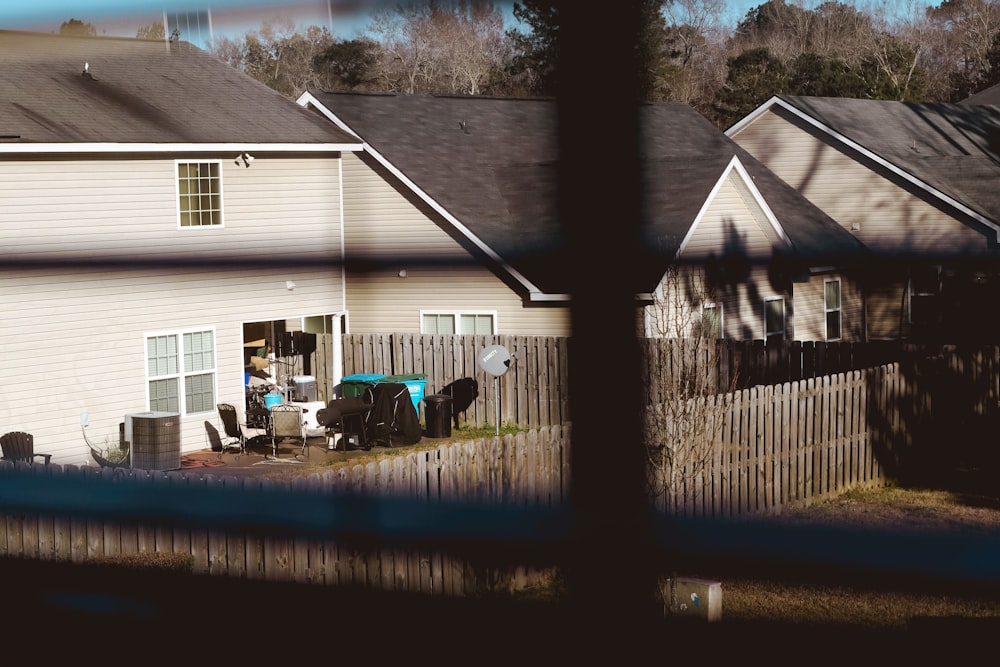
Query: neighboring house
x=986, y=96
x=917, y=184
x=450, y=226
x=141, y=257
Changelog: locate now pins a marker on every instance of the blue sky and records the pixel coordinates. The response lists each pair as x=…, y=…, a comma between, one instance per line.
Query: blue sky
x=122, y=18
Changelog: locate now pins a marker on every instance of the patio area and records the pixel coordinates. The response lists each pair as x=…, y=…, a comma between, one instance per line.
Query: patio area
x=290, y=461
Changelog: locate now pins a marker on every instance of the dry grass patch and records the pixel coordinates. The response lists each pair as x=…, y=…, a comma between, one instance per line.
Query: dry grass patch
x=891, y=508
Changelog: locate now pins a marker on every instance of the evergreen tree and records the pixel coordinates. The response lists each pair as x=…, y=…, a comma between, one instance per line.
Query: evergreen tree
x=78, y=28
x=536, y=51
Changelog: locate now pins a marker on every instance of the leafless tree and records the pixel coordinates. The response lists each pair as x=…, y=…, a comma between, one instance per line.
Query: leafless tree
x=152, y=31
x=441, y=48
x=957, y=36
x=279, y=55
x=696, y=39
x=682, y=416
x=475, y=48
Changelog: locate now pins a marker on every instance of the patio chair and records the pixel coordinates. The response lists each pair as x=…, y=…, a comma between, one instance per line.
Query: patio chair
x=235, y=435
x=287, y=422
x=19, y=446
x=238, y=432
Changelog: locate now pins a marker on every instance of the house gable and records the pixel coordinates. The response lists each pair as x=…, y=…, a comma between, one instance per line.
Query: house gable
x=912, y=207
x=734, y=220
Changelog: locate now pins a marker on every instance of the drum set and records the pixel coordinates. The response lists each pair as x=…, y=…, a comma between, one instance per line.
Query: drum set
x=258, y=391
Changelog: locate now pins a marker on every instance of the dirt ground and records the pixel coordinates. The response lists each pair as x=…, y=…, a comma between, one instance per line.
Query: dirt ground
x=259, y=460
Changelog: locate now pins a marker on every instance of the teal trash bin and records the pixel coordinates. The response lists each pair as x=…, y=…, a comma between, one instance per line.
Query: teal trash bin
x=416, y=384
x=355, y=385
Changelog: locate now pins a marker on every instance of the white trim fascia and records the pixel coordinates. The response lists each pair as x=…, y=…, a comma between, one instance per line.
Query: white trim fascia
x=751, y=117
x=737, y=166
x=307, y=99
x=874, y=157
x=534, y=293
x=759, y=199
x=185, y=148
x=462, y=229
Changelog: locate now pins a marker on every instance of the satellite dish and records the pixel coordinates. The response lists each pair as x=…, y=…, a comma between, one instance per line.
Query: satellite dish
x=495, y=360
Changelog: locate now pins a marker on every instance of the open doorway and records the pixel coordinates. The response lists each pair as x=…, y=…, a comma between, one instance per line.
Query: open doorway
x=283, y=354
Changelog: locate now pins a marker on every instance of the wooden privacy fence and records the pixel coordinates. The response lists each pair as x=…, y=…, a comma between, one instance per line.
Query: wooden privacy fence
x=529, y=469
x=766, y=447
x=531, y=394
x=769, y=446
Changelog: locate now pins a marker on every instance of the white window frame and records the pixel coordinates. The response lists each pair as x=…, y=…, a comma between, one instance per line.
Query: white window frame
x=717, y=307
x=839, y=309
x=457, y=314
x=181, y=374
x=215, y=213
x=784, y=318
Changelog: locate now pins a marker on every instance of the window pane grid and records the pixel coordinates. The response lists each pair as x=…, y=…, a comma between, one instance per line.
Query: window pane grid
x=195, y=388
x=466, y=323
x=439, y=324
x=199, y=192
x=198, y=351
x=162, y=353
x=199, y=395
x=163, y=396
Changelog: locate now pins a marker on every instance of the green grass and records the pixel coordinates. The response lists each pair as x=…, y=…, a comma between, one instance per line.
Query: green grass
x=460, y=434
x=464, y=433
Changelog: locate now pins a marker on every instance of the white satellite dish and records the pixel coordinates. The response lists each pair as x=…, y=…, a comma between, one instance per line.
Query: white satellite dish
x=495, y=360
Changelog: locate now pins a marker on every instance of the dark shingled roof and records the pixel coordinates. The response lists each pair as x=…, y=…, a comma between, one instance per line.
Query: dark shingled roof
x=142, y=91
x=492, y=162
x=953, y=148
x=989, y=95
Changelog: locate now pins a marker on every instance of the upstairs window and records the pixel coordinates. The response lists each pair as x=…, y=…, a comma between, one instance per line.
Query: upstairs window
x=199, y=194
x=482, y=324
x=832, y=308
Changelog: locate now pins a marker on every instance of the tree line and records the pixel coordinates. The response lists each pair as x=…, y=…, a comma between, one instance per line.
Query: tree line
x=902, y=51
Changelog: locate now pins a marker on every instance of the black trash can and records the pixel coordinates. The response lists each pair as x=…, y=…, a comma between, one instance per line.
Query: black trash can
x=437, y=412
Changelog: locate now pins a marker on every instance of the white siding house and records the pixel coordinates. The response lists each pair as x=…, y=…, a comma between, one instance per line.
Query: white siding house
x=140, y=255
x=916, y=184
